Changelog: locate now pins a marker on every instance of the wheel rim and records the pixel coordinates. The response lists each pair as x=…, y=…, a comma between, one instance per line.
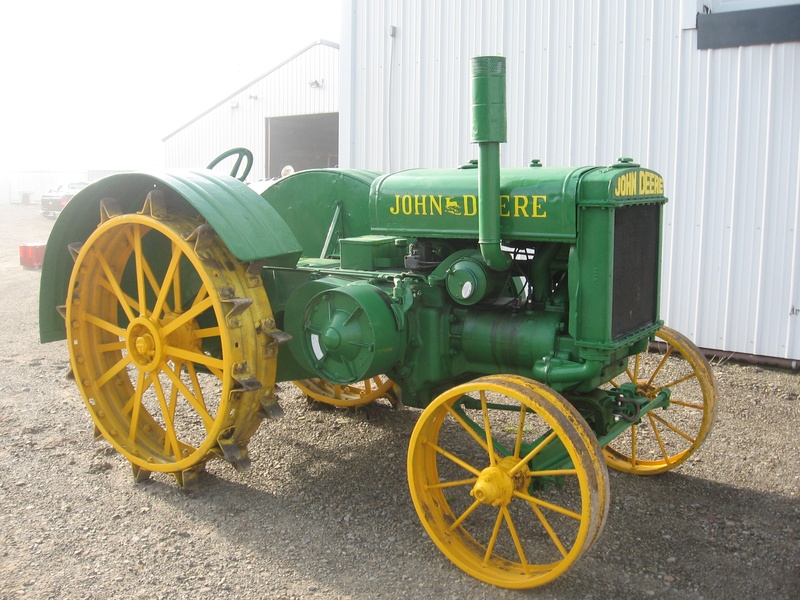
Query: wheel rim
x=166, y=341
x=664, y=438
x=346, y=396
x=486, y=510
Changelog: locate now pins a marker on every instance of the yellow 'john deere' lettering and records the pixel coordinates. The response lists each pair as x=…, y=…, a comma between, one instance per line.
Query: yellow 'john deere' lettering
x=531, y=207
x=639, y=183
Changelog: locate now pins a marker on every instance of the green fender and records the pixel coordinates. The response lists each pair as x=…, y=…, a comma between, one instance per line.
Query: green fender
x=251, y=229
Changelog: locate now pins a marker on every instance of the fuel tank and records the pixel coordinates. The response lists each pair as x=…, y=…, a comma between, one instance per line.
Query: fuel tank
x=536, y=203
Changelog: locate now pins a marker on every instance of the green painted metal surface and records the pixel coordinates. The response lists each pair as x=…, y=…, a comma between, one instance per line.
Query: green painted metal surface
x=250, y=228
x=488, y=131
x=535, y=204
x=319, y=204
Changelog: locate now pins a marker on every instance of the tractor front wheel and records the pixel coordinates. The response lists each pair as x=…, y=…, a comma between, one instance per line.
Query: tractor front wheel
x=666, y=437
x=508, y=480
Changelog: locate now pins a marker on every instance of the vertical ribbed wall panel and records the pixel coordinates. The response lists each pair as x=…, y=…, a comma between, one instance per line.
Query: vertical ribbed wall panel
x=239, y=120
x=592, y=80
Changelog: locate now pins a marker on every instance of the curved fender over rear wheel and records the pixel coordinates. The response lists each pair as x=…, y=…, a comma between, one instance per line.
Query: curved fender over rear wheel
x=250, y=228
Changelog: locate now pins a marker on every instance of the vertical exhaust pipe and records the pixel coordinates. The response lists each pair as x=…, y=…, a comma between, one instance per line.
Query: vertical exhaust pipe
x=488, y=131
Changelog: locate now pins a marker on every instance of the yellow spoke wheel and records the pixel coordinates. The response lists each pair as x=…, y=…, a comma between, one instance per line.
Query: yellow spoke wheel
x=472, y=483
x=346, y=396
x=664, y=438
x=167, y=343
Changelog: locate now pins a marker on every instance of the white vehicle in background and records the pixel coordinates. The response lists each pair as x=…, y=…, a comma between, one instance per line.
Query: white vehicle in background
x=55, y=200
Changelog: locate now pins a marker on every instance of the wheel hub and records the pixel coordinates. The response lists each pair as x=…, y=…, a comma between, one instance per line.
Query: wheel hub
x=145, y=345
x=647, y=390
x=496, y=484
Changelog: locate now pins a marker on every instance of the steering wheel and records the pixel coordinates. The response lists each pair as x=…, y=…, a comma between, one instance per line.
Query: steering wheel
x=242, y=153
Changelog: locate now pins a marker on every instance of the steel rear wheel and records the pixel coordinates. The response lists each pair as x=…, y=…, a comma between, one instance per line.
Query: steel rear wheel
x=508, y=480
x=167, y=335
x=664, y=438
x=346, y=396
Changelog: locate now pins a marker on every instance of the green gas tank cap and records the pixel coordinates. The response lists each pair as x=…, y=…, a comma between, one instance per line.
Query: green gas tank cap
x=624, y=162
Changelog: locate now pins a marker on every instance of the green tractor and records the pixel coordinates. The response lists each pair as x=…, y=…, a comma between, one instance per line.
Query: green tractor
x=519, y=307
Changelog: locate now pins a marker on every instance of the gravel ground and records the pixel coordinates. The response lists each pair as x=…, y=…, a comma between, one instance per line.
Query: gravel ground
x=325, y=511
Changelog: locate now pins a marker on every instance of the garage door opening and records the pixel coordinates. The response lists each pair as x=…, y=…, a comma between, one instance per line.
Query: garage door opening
x=303, y=141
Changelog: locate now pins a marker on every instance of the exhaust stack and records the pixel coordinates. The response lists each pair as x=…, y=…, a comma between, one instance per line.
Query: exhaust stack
x=488, y=131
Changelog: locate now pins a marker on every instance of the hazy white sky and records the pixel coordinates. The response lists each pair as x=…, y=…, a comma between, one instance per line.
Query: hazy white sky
x=93, y=84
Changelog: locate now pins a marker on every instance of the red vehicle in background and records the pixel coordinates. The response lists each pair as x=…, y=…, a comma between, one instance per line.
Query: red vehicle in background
x=55, y=200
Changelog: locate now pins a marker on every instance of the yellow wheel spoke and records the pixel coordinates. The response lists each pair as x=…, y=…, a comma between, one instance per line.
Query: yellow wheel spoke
x=549, y=529
x=687, y=404
x=169, y=276
x=171, y=438
x=196, y=357
x=520, y=430
x=111, y=280
x=198, y=389
x=136, y=406
x=202, y=294
x=512, y=530
x=549, y=472
x=467, y=428
x=105, y=325
x=207, y=332
x=548, y=505
x=451, y=484
x=633, y=443
x=664, y=359
x=674, y=428
x=197, y=404
x=677, y=381
x=188, y=316
x=142, y=383
x=493, y=540
x=111, y=347
x=487, y=430
x=110, y=373
x=454, y=459
x=524, y=461
x=134, y=305
x=457, y=523
x=138, y=258
x=657, y=433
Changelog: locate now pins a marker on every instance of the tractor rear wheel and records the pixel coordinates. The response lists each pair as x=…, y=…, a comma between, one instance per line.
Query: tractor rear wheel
x=508, y=480
x=346, y=396
x=167, y=335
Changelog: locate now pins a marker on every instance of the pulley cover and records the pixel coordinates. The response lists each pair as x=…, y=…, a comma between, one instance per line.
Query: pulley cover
x=350, y=333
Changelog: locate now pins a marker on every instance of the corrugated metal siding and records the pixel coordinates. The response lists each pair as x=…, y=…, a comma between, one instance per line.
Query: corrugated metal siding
x=589, y=81
x=240, y=119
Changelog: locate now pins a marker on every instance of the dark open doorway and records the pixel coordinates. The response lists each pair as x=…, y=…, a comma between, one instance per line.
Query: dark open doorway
x=303, y=141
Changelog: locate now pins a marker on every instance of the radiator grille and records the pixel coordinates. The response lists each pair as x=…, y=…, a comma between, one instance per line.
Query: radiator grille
x=636, y=243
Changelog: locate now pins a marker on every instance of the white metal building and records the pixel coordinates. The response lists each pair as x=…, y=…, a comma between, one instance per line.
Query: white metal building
x=289, y=115
x=593, y=80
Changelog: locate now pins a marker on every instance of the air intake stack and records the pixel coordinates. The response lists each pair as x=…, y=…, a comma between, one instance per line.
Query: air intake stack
x=488, y=131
